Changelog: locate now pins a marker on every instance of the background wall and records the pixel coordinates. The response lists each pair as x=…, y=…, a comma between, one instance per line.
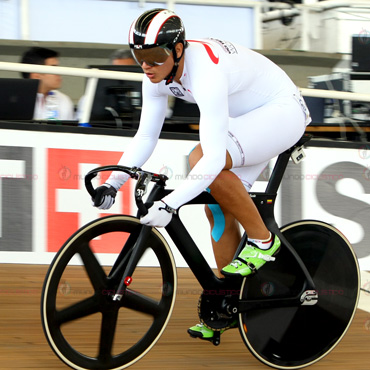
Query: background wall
x=321, y=26
x=108, y=21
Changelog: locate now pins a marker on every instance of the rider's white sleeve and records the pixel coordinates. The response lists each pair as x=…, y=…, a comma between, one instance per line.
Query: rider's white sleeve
x=142, y=145
x=213, y=129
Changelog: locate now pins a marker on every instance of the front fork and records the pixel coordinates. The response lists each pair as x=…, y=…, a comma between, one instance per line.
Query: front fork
x=137, y=251
x=139, y=247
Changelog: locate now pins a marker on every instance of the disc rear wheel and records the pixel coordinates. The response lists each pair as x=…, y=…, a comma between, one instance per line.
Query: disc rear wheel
x=298, y=336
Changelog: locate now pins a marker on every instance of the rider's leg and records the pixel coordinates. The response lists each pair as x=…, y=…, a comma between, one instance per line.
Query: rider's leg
x=225, y=234
x=248, y=149
x=253, y=139
x=234, y=200
x=230, y=193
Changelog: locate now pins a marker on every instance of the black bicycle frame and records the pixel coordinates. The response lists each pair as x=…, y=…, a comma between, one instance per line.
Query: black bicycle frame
x=265, y=204
x=188, y=249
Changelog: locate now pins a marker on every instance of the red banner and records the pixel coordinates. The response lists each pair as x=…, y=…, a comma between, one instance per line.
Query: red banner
x=69, y=204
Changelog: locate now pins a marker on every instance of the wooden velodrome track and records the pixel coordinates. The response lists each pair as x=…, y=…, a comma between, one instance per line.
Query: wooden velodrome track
x=23, y=345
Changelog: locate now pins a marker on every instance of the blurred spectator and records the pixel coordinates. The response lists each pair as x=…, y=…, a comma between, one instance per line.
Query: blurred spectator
x=49, y=85
x=122, y=57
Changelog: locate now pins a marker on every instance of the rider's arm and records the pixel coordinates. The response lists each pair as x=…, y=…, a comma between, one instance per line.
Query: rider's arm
x=211, y=95
x=143, y=144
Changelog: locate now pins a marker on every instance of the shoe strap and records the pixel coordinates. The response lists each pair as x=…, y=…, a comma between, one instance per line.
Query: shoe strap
x=249, y=264
x=266, y=257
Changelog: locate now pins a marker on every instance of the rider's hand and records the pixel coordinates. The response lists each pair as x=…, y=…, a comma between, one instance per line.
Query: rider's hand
x=159, y=215
x=104, y=196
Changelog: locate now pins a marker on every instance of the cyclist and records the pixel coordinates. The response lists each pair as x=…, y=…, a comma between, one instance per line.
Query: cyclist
x=250, y=111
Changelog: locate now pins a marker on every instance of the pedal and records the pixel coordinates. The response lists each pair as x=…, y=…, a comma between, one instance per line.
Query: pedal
x=195, y=335
x=216, y=340
x=298, y=155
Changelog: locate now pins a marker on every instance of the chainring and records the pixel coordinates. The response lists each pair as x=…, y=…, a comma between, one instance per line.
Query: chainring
x=217, y=312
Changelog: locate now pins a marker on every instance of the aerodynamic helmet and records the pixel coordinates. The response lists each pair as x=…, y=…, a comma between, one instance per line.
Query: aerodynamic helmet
x=156, y=27
x=153, y=36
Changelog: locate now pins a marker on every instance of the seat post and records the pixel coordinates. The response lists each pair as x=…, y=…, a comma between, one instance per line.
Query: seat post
x=278, y=172
x=281, y=165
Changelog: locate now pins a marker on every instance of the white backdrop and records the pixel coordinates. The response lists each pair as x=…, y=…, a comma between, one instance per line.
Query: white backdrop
x=100, y=21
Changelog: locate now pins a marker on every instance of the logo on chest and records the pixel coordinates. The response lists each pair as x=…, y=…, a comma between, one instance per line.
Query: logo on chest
x=176, y=91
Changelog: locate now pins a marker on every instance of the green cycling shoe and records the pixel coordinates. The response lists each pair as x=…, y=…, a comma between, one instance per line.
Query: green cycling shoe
x=251, y=258
x=201, y=331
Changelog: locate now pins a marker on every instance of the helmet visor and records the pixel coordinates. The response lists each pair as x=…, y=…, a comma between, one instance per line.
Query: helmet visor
x=153, y=56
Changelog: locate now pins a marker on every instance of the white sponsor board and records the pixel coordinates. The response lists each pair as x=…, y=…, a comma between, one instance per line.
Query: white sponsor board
x=43, y=199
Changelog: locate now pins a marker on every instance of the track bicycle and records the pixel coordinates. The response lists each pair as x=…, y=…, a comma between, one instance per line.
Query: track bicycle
x=290, y=313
